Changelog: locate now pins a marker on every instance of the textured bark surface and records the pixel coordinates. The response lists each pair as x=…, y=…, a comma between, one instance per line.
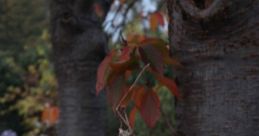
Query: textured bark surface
x=220, y=52
x=78, y=48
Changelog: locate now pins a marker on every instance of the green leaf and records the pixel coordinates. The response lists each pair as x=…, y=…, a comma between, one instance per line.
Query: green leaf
x=169, y=83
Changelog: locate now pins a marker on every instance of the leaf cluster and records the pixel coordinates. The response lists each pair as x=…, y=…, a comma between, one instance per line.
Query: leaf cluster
x=132, y=75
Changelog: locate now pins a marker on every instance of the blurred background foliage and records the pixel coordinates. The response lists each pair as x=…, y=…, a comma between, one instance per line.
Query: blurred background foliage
x=27, y=81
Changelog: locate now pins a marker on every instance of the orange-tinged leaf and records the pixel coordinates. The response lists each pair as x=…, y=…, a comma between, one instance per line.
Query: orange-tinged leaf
x=50, y=115
x=139, y=93
x=150, y=108
x=153, y=22
x=116, y=91
x=102, y=70
x=156, y=19
x=132, y=116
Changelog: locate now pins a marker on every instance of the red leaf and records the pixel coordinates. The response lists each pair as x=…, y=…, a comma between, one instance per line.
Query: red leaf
x=132, y=116
x=125, y=54
x=162, y=47
x=116, y=90
x=150, y=108
x=151, y=55
x=139, y=93
x=160, y=18
x=102, y=70
x=123, y=66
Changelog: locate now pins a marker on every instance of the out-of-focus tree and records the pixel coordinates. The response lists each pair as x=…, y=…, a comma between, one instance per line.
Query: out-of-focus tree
x=21, y=23
x=27, y=80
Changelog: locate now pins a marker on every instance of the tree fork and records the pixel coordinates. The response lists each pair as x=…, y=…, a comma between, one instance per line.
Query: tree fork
x=220, y=80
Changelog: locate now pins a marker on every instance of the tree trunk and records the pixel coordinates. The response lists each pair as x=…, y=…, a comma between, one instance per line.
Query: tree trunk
x=78, y=48
x=217, y=42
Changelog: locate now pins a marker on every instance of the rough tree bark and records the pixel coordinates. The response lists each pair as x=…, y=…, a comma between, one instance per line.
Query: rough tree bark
x=78, y=47
x=217, y=42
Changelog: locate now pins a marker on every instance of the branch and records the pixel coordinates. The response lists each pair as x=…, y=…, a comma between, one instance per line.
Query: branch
x=201, y=13
x=124, y=118
x=133, y=85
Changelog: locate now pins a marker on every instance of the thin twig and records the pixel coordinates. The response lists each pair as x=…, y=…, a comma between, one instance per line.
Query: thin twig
x=133, y=85
x=124, y=118
x=139, y=75
x=125, y=121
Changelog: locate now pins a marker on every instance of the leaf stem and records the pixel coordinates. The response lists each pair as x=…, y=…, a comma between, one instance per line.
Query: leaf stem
x=125, y=118
x=133, y=85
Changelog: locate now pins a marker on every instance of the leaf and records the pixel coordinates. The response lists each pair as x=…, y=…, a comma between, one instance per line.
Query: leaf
x=50, y=115
x=150, y=108
x=128, y=74
x=156, y=19
x=153, y=23
x=123, y=66
x=132, y=116
x=102, y=71
x=151, y=55
x=134, y=40
x=116, y=90
x=172, y=61
x=161, y=46
x=170, y=84
x=125, y=54
x=138, y=95
x=160, y=18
